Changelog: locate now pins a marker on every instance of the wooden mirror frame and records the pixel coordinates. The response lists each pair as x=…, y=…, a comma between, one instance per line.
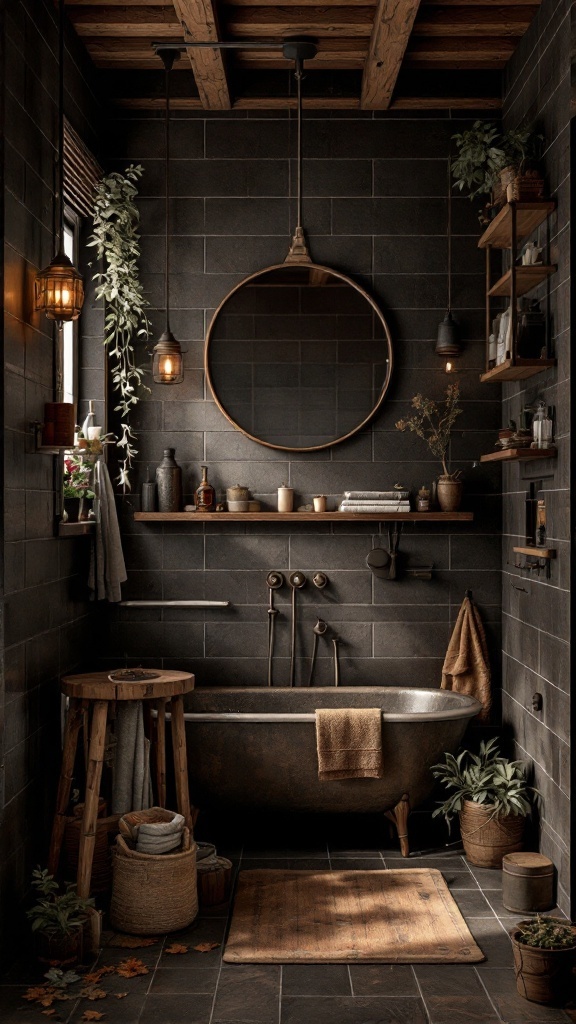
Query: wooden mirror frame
x=323, y=270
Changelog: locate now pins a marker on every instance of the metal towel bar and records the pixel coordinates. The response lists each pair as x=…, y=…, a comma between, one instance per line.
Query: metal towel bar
x=174, y=604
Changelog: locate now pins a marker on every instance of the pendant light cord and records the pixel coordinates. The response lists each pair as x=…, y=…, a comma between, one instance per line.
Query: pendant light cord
x=60, y=181
x=167, y=69
x=449, y=238
x=298, y=76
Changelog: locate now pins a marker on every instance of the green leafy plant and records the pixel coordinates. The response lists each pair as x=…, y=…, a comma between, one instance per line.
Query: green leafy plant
x=484, y=150
x=56, y=913
x=546, y=933
x=117, y=243
x=78, y=478
x=485, y=778
x=433, y=423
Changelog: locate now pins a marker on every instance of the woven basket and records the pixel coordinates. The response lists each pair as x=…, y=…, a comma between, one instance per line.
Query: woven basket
x=522, y=188
x=486, y=839
x=106, y=832
x=153, y=894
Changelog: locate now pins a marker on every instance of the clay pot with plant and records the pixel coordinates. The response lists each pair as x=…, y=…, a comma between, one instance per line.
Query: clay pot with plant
x=433, y=422
x=501, y=165
x=544, y=956
x=58, y=918
x=490, y=795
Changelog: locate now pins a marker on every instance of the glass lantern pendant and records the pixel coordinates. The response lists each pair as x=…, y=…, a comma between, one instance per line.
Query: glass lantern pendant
x=167, y=367
x=58, y=290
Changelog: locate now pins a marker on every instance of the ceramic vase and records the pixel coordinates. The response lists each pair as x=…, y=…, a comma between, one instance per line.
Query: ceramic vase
x=449, y=494
x=169, y=481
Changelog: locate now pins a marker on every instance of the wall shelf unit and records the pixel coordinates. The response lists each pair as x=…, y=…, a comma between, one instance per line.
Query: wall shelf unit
x=519, y=455
x=514, y=222
x=532, y=550
x=303, y=517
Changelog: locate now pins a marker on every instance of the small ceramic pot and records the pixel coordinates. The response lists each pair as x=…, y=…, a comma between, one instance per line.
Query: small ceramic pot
x=238, y=506
x=319, y=503
x=449, y=494
x=237, y=493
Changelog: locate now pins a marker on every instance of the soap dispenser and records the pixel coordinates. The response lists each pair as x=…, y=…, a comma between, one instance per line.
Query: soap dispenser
x=542, y=427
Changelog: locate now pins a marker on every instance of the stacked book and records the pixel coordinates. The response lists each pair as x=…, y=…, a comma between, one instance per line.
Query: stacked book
x=396, y=500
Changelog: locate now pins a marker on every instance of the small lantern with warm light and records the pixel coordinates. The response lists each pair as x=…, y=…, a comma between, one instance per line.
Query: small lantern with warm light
x=58, y=290
x=167, y=367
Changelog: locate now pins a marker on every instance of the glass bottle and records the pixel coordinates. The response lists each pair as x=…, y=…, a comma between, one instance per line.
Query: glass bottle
x=169, y=483
x=205, y=496
x=542, y=427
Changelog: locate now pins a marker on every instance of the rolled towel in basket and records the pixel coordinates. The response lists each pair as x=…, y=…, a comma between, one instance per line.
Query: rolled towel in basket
x=153, y=831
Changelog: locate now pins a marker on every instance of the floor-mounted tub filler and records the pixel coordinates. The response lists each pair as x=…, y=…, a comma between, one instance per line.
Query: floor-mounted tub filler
x=255, y=748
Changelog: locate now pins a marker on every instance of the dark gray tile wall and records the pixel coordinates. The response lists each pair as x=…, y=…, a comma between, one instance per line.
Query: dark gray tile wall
x=376, y=209
x=536, y=625
x=47, y=623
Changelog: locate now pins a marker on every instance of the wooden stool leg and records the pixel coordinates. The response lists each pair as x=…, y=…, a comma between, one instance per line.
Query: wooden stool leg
x=72, y=727
x=93, y=777
x=161, y=754
x=180, y=759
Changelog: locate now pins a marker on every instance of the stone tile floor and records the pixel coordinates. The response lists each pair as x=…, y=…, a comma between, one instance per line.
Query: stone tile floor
x=197, y=988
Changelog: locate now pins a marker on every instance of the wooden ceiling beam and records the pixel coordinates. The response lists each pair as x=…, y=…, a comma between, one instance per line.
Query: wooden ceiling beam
x=458, y=53
x=198, y=18
x=107, y=20
x=391, y=31
x=320, y=103
x=442, y=20
x=275, y=22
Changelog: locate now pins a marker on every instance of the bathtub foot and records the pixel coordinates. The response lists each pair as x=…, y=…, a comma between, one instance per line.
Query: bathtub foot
x=399, y=817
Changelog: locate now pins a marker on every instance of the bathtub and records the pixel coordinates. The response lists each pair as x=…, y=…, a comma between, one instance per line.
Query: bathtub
x=255, y=748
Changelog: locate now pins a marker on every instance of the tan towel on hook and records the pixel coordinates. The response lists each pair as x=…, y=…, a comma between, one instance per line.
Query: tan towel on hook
x=467, y=664
x=349, y=743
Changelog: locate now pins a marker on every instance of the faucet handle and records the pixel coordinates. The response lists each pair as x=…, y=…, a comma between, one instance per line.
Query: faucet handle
x=274, y=580
x=320, y=580
x=297, y=579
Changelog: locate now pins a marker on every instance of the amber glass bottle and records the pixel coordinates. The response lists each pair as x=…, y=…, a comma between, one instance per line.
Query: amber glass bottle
x=205, y=495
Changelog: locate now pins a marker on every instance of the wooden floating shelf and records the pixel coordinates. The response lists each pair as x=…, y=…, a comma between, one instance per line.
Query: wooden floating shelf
x=536, y=552
x=527, y=278
x=529, y=216
x=518, y=369
x=83, y=529
x=519, y=454
x=303, y=517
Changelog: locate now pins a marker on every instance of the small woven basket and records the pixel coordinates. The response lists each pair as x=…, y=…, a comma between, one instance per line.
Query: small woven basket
x=153, y=894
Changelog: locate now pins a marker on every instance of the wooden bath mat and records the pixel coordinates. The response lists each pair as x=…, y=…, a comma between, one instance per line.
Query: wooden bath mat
x=388, y=917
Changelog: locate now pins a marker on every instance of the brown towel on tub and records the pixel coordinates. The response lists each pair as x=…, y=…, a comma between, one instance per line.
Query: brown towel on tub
x=349, y=743
x=467, y=663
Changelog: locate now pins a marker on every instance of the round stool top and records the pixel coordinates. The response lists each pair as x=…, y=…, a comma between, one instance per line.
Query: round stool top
x=99, y=685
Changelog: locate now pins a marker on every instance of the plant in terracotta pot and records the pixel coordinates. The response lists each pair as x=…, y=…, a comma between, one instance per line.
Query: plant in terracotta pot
x=58, y=918
x=544, y=955
x=433, y=422
x=490, y=795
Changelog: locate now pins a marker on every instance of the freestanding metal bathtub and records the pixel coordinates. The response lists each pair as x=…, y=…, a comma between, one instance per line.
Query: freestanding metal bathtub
x=255, y=748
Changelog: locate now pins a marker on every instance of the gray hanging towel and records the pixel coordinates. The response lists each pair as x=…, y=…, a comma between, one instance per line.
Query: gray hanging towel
x=107, y=568
x=131, y=785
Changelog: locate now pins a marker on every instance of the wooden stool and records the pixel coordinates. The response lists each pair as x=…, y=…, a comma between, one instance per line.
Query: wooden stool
x=97, y=691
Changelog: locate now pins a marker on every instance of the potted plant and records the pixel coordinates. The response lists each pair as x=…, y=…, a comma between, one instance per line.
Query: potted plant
x=78, y=482
x=496, y=163
x=117, y=244
x=58, y=918
x=544, y=955
x=489, y=793
x=433, y=423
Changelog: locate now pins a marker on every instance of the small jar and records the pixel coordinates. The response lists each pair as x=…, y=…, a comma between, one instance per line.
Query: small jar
x=285, y=498
x=319, y=502
x=527, y=883
x=237, y=493
x=423, y=500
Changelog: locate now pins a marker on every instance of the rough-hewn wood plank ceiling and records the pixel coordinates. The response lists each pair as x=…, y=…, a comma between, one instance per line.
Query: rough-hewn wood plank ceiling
x=372, y=54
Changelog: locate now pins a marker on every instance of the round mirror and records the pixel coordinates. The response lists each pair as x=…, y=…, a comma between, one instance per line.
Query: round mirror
x=298, y=357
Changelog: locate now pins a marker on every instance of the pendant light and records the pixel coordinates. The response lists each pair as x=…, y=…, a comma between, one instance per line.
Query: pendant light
x=448, y=345
x=168, y=364
x=298, y=50
x=58, y=289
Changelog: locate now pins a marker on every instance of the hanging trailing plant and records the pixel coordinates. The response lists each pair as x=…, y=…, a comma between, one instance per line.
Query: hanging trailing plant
x=117, y=243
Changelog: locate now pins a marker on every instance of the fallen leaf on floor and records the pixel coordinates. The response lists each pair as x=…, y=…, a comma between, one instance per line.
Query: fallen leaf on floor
x=131, y=941
x=205, y=947
x=93, y=993
x=131, y=967
x=95, y=976
x=49, y=1013
x=177, y=947
x=120, y=995
x=42, y=994
x=92, y=1015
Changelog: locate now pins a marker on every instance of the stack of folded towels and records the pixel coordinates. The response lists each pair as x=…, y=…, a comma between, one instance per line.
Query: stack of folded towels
x=396, y=500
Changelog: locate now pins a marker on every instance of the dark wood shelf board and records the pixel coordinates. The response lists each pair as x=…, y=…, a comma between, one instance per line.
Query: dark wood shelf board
x=519, y=454
x=302, y=517
x=536, y=552
x=529, y=216
x=519, y=369
x=527, y=278
x=84, y=529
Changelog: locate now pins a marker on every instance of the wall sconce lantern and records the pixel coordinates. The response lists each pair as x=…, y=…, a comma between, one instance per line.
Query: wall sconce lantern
x=448, y=344
x=167, y=364
x=58, y=289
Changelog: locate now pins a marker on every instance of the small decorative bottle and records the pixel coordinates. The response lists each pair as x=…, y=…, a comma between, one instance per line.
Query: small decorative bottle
x=89, y=421
x=169, y=483
x=148, y=500
x=542, y=428
x=205, y=495
x=423, y=500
